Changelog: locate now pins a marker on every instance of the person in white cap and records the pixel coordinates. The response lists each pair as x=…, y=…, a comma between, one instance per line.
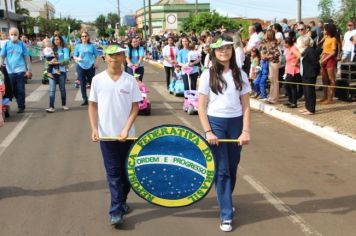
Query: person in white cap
x=224, y=112
x=113, y=108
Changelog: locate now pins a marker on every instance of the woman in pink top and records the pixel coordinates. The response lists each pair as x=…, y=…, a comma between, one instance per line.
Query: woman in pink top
x=292, y=72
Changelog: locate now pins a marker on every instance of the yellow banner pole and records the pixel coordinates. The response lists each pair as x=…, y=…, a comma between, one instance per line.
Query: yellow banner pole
x=134, y=139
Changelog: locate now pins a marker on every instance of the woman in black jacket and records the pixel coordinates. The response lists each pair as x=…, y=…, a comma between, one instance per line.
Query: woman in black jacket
x=309, y=71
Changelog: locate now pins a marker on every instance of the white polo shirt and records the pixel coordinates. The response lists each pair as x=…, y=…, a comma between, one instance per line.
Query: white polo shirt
x=227, y=104
x=166, y=52
x=114, y=99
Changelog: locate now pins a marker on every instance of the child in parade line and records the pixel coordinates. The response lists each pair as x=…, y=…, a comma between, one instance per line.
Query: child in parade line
x=224, y=112
x=113, y=108
x=49, y=54
x=260, y=82
x=254, y=69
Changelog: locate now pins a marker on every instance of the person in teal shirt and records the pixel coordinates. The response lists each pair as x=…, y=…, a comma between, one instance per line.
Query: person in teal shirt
x=86, y=56
x=18, y=66
x=61, y=60
x=183, y=62
x=134, y=58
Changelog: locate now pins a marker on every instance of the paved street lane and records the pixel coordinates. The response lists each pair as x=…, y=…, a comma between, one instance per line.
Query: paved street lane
x=52, y=178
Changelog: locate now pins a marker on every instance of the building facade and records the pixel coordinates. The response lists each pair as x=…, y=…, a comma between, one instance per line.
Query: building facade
x=39, y=8
x=168, y=15
x=13, y=18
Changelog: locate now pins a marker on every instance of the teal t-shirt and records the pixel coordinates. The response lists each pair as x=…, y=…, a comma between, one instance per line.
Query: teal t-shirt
x=15, y=54
x=88, y=53
x=136, y=54
x=63, y=55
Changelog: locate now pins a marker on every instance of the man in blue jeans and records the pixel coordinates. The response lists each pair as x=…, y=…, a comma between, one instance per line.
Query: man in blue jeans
x=113, y=108
x=18, y=66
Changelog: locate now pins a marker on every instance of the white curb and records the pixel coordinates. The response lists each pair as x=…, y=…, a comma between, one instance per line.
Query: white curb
x=327, y=133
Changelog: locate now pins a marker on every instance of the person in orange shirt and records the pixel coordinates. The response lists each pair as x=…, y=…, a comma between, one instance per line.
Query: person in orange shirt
x=328, y=62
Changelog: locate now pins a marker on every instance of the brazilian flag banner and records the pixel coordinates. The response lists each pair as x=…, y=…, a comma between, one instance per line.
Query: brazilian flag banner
x=171, y=166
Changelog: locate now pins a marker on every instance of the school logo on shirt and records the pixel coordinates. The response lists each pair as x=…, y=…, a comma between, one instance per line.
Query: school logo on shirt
x=124, y=91
x=171, y=166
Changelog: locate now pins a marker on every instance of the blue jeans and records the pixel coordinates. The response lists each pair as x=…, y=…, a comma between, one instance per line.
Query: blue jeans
x=227, y=158
x=85, y=76
x=115, y=155
x=18, y=88
x=61, y=80
x=260, y=85
x=139, y=71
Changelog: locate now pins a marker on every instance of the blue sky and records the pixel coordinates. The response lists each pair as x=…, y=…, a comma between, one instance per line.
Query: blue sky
x=88, y=10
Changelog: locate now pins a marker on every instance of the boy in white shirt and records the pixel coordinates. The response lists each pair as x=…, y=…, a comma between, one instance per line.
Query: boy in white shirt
x=113, y=108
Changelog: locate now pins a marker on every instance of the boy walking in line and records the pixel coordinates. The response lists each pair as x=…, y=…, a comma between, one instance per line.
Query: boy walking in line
x=113, y=108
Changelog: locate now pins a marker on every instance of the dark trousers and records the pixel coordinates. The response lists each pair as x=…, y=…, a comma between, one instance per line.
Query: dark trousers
x=292, y=89
x=18, y=88
x=193, y=81
x=85, y=76
x=169, y=72
x=115, y=155
x=309, y=93
x=227, y=158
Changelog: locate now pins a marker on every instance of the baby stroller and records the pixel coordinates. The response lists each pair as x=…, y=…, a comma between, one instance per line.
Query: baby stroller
x=190, y=104
x=176, y=85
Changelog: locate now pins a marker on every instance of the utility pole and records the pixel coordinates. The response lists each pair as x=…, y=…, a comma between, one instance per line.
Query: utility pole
x=7, y=15
x=299, y=10
x=144, y=20
x=196, y=7
x=118, y=12
x=150, y=17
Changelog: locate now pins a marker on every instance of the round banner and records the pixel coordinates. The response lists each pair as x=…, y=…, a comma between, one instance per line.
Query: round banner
x=171, y=166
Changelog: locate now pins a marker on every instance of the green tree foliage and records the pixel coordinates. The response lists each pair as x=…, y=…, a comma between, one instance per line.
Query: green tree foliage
x=101, y=25
x=20, y=10
x=347, y=12
x=49, y=26
x=211, y=21
x=112, y=19
x=122, y=31
x=326, y=9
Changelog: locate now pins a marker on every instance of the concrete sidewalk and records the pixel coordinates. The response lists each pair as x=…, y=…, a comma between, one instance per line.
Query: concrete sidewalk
x=334, y=122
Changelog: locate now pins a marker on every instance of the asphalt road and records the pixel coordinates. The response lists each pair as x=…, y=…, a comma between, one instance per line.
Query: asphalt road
x=52, y=180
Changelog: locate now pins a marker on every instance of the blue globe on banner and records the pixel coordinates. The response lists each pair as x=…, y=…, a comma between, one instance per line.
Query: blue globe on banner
x=171, y=166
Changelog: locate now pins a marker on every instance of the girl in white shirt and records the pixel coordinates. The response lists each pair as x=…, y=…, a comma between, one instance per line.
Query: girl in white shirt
x=224, y=113
x=169, y=53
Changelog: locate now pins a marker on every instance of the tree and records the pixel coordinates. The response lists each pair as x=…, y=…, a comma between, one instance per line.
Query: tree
x=112, y=19
x=101, y=24
x=20, y=10
x=211, y=21
x=327, y=9
x=347, y=12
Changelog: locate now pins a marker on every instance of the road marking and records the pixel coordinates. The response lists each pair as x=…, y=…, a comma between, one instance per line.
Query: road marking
x=14, y=133
x=267, y=194
x=78, y=96
x=182, y=119
x=281, y=206
x=161, y=89
x=37, y=95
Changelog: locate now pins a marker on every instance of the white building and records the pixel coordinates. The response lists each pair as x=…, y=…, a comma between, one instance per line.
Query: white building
x=39, y=8
x=13, y=17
